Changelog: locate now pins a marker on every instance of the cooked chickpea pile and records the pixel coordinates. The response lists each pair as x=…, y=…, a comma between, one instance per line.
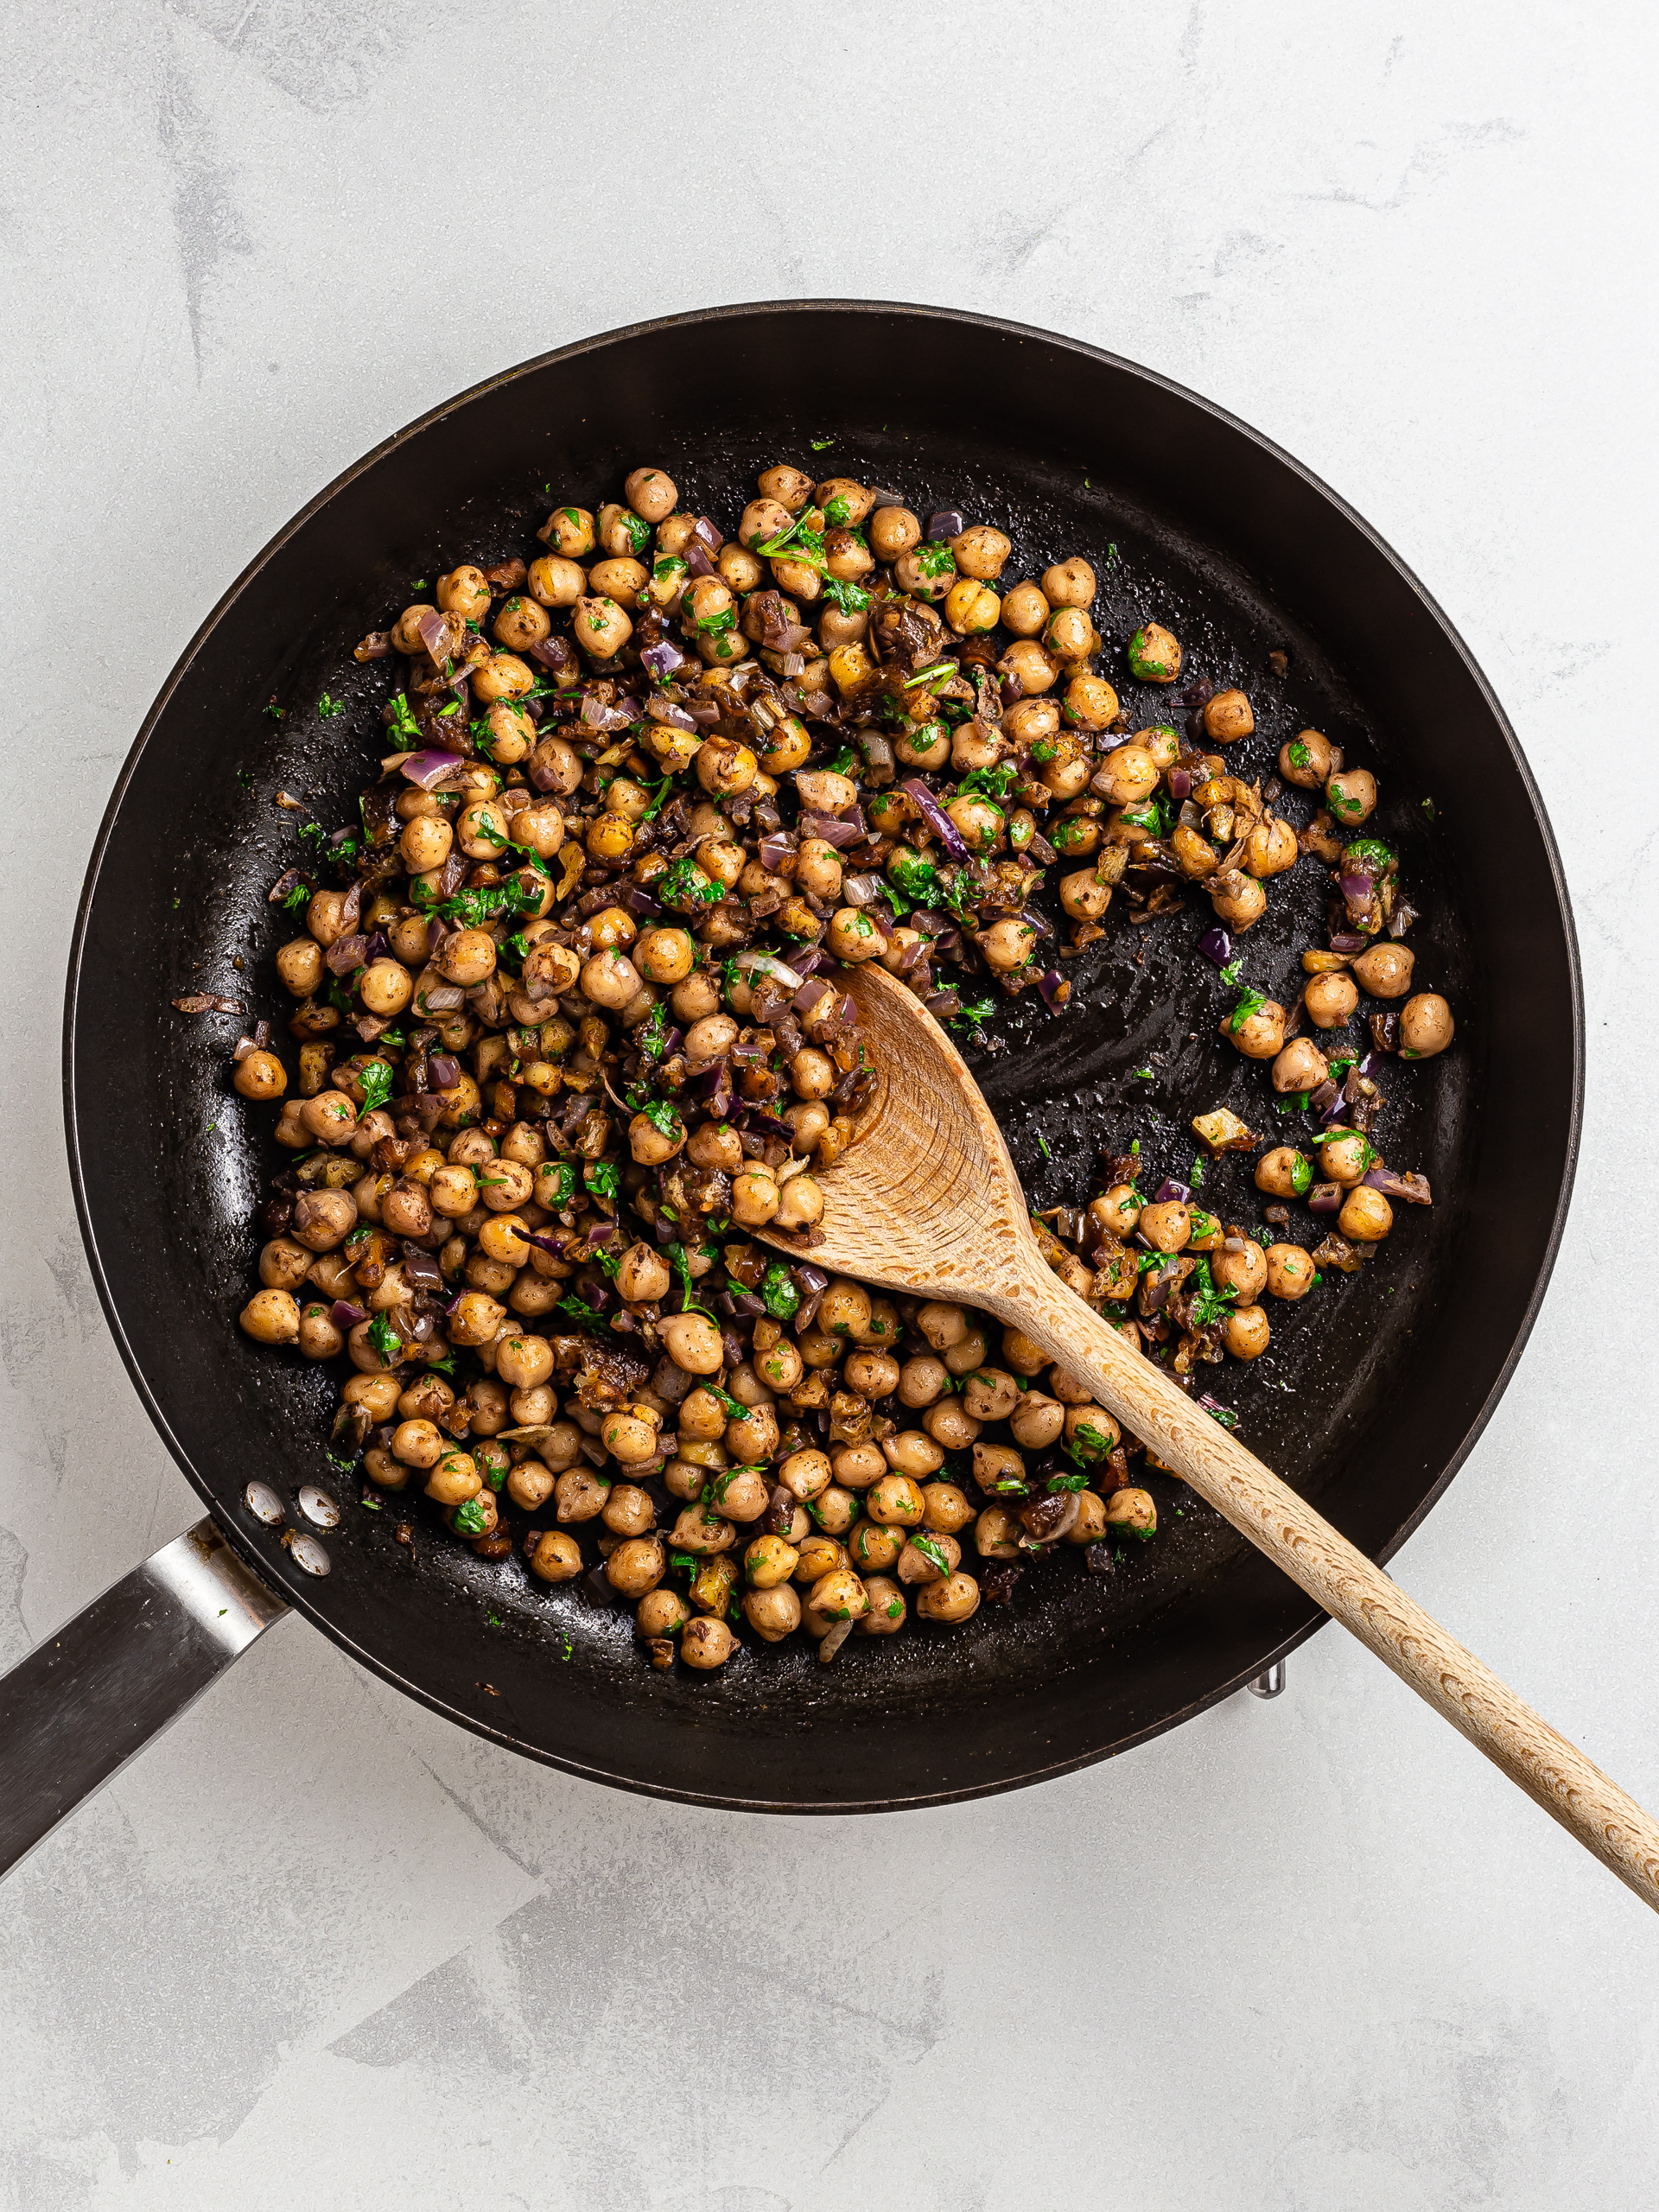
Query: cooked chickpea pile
x=582, y=950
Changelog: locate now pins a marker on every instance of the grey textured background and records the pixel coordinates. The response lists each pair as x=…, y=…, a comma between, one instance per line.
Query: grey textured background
x=317, y=1948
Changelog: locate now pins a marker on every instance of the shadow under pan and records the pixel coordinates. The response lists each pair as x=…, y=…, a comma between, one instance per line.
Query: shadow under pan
x=1375, y=1388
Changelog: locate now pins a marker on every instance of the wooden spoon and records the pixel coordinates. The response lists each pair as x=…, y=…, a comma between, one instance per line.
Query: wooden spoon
x=926, y=1203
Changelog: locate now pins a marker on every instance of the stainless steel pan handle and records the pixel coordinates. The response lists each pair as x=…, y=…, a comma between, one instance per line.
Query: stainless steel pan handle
x=88, y=1698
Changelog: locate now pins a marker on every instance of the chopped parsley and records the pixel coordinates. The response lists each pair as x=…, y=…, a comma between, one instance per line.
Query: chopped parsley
x=581, y=1311
x=989, y=783
x=664, y=1119
x=471, y=1518
x=327, y=707
x=780, y=1293
x=1251, y=1002
x=934, y=559
x=849, y=597
x=1298, y=754
x=386, y=1340
x=684, y=880
x=375, y=1082
x=404, y=724
x=818, y=445
x=1209, y=1305
x=934, y=1553
x=600, y=1177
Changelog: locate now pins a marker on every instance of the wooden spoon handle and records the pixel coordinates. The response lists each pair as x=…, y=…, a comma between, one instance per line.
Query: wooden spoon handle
x=1353, y=1590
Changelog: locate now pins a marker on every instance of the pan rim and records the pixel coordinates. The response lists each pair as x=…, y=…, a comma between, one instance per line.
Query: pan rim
x=291, y=1583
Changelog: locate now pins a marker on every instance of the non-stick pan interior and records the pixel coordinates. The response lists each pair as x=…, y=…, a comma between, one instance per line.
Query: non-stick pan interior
x=1374, y=1386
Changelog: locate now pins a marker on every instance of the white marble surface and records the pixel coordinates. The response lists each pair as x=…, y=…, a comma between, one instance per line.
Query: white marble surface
x=317, y=1949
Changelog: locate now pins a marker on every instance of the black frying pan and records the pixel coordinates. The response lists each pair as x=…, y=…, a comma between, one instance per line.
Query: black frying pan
x=1376, y=1389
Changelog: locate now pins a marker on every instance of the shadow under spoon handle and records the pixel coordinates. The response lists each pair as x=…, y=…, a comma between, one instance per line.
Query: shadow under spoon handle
x=94, y=1692
x=1367, y=1602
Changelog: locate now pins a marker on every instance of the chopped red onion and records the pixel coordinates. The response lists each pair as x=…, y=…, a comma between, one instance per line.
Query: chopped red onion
x=943, y=1005
x=1169, y=1190
x=1401, y=918
x=1040, y=850
x=663, y=658
x=792, y=663
x=1054, y=988
x=697, y=561
x=554, y=653
x=1180, y=781
x=1039, y=924
x=1358, y=889
x=1343, y=942
x=443, y=1072
x=452, y=875
x=705, y=530
x=602, y=1232
x=261, y=1036
x=1216, y=945
x=1413, y=1188
x=777, y=847
x=813, y=1283
x=1325, y=1198
x=345, y=953
x=435, y=635
x=945, y=525
x=859, y=890
x=664, y=710
x=704, y=712
x=597, y=715
x=638, y=900
x=810, y=995
x=832, y=831
x=426, y=769
x=346, y=1315
x=244, y=1046
x=768, y=963
x=936, y=817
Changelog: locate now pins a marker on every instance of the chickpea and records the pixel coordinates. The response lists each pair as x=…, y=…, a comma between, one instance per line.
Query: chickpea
x=804, y=1474
x=1090, y=1523
x=912, y=1453
x=1288, y=1270
x=1300, y=1066
x=1153, y=654
x=1007, y=945
x=1071, y=636
x=1038, y=1420
x=896, y=1501
x=886, y=1611
x=652, y=1142
x=948, y=1423
x=611, y=980
x=1168, y=1227
x=1366, y=1216
x=330, y=1117
x=853, y=937
x=1025, y=610
x=272, y=1316
x=1260, y=1034
x=521, y=623
x=921, y=1381
x=1352, y=796
x=858, y=1465
x=464, y=592
x=980, y=551
x=466, y=958
x=1331, y=1000
x=1384, y=970
x=1033, y=667
x=800, y=1204
x=772, y=1613
x=530, y=1485
x=1426, y=1027
x=455, y=1478
x=666, y=955
x=894, y=531
x=601, y=627
x=1284, y=1172
x=1245, y=1332
x=955, y=1599
x=839, y=1595
x=637, y=1565
x=556, y=1558
x=1306, y=760
x=1270, y=848
x=503, y=675
x=1134, y=1511
x=755, y=1196
x=481, y=830
x=580, y=1494
x=261, y=1076
x=707, y=1643
x=1090, y=703
x=1227, y=717
x=1069, y=583
x=692, y=1342
x=378, y=1394
x=651, y=493
x=475, y=1319
x=971, y=608
x=1238, y=899
x=874, y=1548
x=323, y=1219
x=1117, y=1211
x=1084, y=894
x=555, y=582
x=299, y=965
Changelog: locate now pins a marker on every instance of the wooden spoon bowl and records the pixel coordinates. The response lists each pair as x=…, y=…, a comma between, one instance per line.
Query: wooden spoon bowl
x=926, y=1203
